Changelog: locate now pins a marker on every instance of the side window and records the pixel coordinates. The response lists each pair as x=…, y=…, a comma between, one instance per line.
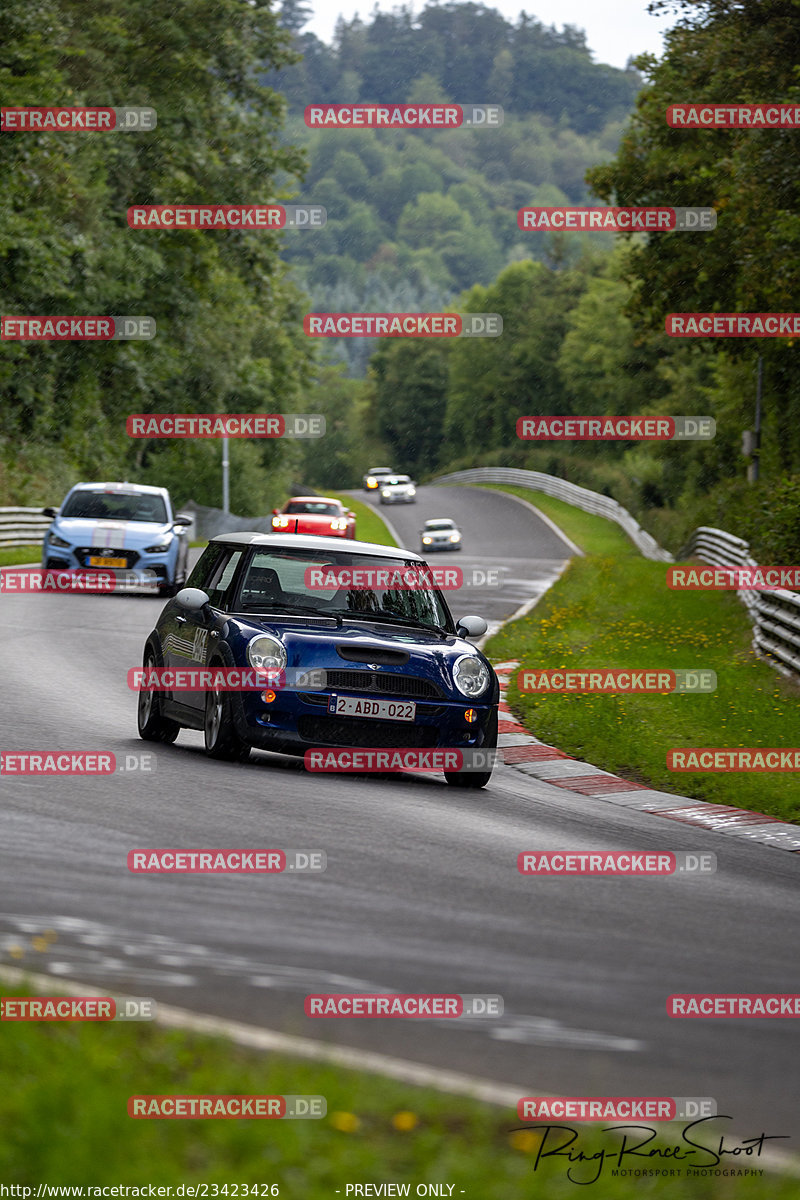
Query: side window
x=204, y=568
x=222, y=576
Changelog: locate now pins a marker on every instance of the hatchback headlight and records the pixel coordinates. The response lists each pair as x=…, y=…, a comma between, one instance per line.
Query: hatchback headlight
x=161, y=548
x=266, y=654
x=339, y=523
x=55, y=540
x=470, y=675
x=426, y=541
x=280, y=522
x=455, y=537
x=372, y=481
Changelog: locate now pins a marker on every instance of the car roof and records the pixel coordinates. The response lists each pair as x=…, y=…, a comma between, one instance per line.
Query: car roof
x=144, y=489
x=308, y=541
x=372, y=470
x=310, y=499
x=440, y=521
x=399, y=479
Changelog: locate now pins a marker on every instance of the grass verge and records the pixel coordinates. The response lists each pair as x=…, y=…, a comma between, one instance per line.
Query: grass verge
x=63, y=1108
x=369, y=526
x=612, y=609
x=15, y=555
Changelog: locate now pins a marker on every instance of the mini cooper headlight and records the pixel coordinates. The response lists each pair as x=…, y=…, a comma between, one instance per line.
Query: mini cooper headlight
x=339, y=523
x=59, y=542
x=371, y=481
x=266, y=654
x=470, y=675
x=280, y=522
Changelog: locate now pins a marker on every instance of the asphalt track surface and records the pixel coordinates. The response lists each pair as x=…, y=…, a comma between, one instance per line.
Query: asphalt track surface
x=421, y=892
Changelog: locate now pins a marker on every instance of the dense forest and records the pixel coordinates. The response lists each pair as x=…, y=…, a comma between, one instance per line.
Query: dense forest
x=584, y=330
x=416, y=221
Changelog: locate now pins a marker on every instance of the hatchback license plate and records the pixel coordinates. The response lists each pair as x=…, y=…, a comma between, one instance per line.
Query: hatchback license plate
x=379, y=710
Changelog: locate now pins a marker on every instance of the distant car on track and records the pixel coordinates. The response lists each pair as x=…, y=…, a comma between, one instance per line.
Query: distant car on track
x=398, y=489
x=398, y=671
x=373, y=477
x=321, y=515
x=440, y=533
x=119, y=527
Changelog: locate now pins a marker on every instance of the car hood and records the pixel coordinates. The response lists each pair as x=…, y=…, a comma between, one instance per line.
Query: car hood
x=82, y=531
x=429, y=655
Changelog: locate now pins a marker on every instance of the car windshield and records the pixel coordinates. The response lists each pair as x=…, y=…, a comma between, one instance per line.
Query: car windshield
x=317, y=507
x=396, y=479
x=435, y=526
x=116, y=506
x=325, y=583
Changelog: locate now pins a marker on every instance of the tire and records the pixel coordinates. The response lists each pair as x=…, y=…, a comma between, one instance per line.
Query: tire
x=153, y=727
x=476, y=779
x=221, y=739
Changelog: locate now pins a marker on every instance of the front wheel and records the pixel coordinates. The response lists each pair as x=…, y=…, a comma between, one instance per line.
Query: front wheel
x=153, y=727
x=221, y=739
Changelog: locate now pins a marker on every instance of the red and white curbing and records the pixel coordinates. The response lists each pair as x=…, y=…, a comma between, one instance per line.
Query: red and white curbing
x=551, y=765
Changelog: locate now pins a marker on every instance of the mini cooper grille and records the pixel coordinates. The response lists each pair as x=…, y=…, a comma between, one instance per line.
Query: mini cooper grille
x=385, y=683
x=349, y=731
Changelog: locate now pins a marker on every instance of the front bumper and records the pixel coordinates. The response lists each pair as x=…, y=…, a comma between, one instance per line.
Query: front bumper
x=299, y=721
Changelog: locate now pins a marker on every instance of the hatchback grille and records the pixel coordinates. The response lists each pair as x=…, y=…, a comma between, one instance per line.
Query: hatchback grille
x=84, y=553
x=384, y=683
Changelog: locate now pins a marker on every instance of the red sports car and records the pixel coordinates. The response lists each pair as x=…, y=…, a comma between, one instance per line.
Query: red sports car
x=318, y=515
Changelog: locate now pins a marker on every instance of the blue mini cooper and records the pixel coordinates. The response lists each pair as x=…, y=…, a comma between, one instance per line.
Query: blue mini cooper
x=397, y=670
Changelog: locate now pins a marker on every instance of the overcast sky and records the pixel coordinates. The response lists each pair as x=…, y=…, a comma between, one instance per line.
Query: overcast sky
x=615, y=29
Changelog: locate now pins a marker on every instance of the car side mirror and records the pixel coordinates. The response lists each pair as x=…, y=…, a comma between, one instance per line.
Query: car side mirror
x=183, y=520
x=351, y=514
x=275, y=512
x=49, y=512
x=192, y=599
x=471, y=627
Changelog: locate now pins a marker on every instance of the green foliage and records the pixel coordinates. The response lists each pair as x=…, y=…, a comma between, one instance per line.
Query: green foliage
x=229, y=323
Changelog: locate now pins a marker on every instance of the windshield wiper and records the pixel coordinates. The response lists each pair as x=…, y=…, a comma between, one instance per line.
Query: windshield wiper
x=288, y=607
x=397, y=619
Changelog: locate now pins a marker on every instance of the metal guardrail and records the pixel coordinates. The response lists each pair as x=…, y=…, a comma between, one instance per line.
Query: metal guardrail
x=580, y=497
x=22, y=527
x=775, y=616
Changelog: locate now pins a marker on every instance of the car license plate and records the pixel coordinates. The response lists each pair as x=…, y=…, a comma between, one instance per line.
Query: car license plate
x=380, y=710
x=107, y=562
